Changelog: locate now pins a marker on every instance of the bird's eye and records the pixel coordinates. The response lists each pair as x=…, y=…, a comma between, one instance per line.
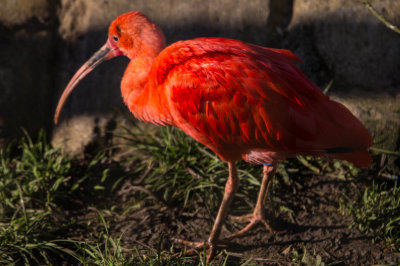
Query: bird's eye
x=115, y=38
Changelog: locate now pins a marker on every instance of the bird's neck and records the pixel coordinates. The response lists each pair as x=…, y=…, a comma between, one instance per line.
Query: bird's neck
x=140, y=92
x=136, y=77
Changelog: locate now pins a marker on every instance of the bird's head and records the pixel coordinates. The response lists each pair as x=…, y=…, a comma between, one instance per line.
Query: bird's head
x=130, y=34
x=133, y=33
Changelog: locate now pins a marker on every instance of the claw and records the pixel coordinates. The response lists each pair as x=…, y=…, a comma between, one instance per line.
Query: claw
x=197, y=246
x=192, y=244
x=253, y=219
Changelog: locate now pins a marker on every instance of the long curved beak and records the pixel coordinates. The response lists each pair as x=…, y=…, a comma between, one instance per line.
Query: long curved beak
x=105, y=53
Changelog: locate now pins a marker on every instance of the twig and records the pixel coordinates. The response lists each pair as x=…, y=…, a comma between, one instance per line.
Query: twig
x=385, y=151
x=193, y=173
x=381, y=17
x=144, y=175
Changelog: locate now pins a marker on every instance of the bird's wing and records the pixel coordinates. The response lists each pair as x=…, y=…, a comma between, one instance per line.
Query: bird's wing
x=235, y=98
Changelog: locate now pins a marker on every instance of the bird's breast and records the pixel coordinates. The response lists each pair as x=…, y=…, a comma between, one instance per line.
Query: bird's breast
x=144, y=98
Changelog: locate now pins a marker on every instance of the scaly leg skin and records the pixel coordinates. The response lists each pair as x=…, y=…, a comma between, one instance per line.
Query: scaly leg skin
x=231, y=187
x=258, y=214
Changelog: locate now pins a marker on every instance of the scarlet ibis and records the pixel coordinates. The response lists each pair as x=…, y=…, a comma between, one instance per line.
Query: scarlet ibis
x=241, y=100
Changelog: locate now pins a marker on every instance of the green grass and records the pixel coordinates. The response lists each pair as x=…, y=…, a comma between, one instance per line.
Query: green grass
x=185, y=171
x=30, y=184
x=377, y=212
x=103, y=249
x=35, y=182
x=38, y=184
x=307, y=258
x=182, y=170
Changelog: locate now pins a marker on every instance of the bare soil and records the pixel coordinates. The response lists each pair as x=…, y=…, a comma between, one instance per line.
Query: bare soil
x=315, y=225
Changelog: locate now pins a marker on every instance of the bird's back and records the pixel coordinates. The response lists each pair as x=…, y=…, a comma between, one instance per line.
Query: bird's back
x=243, y=100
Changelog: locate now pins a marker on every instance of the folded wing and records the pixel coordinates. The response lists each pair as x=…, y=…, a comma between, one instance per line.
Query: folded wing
x=248, y=101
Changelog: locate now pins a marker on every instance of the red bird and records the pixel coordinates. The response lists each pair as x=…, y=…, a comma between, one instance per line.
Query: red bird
x=241, y=100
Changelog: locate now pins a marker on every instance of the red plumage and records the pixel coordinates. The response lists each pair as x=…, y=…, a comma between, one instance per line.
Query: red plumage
x=242, y=100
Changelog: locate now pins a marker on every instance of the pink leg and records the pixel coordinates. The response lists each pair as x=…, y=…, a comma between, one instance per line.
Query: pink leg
x=231, y=187
x=258, y=214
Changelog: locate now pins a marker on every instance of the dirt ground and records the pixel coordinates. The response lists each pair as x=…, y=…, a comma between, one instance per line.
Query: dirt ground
x=315, y=226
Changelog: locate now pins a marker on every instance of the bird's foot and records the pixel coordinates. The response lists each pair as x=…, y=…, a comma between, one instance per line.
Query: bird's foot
x=195, y=245
x=199, y=246
x=253, y=219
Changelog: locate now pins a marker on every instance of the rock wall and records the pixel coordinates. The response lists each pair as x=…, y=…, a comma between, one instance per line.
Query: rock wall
x=45, y=41
x=345, y=42
x=27, y=30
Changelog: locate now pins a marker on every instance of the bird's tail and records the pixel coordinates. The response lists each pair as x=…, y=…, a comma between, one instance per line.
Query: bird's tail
x=359, y=158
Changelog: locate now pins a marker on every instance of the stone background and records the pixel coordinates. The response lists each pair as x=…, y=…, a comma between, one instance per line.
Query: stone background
x=43, y=42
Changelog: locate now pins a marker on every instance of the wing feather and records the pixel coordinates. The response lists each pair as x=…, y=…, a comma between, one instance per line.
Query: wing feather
x=239, y=99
